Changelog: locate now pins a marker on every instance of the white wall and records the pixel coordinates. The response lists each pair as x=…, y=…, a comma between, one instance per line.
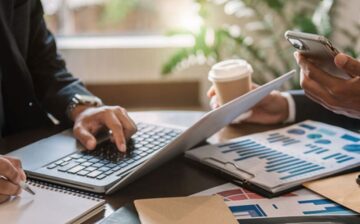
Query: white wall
x=128, y=61
x=124, y=64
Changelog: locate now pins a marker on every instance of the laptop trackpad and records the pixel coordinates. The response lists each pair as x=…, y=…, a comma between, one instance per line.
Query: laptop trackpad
x=47, y=150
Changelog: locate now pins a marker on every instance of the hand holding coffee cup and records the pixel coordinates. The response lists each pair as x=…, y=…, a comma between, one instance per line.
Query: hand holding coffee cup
x=231, y=79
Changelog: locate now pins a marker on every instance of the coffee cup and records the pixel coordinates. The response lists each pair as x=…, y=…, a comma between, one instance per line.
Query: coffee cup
x=231, y=79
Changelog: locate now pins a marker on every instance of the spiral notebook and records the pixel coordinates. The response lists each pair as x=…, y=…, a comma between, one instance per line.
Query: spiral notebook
x=51, y=204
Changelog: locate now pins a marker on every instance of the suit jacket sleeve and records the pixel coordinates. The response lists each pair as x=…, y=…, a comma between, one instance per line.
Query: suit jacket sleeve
x=308, y=109
x=54, y=85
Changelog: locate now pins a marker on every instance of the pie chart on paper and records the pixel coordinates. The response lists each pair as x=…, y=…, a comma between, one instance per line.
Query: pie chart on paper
x=355, y=148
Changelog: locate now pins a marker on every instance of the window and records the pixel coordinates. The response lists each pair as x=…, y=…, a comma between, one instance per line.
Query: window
x=118, y=17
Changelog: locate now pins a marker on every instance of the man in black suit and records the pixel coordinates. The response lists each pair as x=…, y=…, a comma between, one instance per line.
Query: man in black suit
x=37, y=90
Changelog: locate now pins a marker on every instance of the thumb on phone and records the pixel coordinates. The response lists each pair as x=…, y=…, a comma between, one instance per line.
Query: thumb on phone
x=348, y=64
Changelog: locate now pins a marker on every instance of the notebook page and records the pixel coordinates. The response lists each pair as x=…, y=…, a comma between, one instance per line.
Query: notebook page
x=47, y=206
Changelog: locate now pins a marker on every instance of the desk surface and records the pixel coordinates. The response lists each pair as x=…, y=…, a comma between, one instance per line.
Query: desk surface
x=179, y=177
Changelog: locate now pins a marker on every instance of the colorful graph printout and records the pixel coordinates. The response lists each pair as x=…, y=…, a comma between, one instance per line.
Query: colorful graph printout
x=279, y=159
x=245, y=204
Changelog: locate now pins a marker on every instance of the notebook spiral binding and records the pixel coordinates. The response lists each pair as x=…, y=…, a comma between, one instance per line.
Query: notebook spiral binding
x=65, y=190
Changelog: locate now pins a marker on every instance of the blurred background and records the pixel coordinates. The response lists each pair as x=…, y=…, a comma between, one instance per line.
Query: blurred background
x=155, y=54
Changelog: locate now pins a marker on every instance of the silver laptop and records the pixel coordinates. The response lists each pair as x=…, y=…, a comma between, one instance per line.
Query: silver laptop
x=62, y=160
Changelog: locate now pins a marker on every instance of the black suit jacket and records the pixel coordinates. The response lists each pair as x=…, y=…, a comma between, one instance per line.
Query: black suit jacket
x=308, y=109
x=35, y=78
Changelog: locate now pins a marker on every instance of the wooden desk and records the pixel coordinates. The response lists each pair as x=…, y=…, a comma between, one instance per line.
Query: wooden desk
x=178, y=177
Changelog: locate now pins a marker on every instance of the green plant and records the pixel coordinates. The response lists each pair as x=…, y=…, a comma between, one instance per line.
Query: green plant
x=116, y=10
x=256, y=33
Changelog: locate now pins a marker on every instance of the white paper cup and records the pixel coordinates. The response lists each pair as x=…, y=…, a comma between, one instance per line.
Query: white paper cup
x=231, y=79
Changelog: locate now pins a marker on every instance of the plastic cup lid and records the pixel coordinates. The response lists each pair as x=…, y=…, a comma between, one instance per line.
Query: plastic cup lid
x=230, y=70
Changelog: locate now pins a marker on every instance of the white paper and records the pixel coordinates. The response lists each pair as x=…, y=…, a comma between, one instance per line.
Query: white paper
x=245, y=204
x=278, y=159
x=48, y=205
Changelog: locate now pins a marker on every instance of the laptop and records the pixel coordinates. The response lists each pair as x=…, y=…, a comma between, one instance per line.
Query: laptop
x=62, y=160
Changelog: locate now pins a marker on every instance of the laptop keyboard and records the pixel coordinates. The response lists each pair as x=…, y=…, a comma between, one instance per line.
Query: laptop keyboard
x=106, y=158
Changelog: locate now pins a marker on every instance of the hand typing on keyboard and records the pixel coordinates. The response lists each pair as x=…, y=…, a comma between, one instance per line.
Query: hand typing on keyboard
x=106, y=160
x=90, y=120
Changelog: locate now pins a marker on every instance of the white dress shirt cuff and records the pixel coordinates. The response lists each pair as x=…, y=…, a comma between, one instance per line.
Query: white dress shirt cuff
x=291, y=107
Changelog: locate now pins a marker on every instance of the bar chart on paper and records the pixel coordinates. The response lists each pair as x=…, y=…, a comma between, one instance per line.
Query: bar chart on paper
x=287, y=156
x=245, y=204
x=286, y=207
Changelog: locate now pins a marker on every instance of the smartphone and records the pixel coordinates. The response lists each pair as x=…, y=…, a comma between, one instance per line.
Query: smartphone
x=318, y=49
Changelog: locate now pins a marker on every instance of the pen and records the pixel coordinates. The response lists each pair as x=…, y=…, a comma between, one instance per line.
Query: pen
x=26, y=187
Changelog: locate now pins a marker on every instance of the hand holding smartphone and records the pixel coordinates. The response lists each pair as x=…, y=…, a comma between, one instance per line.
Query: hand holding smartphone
x=318, y=49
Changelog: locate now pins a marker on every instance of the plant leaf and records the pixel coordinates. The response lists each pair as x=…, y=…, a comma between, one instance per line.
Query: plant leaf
x=305, y=24
x=321, y=18
x=175, y=60
x=276, y=5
